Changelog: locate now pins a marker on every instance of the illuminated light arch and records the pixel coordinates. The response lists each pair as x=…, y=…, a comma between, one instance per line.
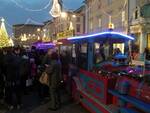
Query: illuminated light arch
x=101, y=34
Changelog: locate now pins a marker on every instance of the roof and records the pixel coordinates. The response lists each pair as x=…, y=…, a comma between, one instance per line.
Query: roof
x=35, y=25
x=79, y=9
x=48, y=21
x=103, y=36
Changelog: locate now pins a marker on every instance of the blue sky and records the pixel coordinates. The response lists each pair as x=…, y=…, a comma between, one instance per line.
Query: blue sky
x=14, y=10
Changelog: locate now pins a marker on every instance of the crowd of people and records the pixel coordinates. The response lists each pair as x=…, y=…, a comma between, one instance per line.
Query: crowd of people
x=21, y=68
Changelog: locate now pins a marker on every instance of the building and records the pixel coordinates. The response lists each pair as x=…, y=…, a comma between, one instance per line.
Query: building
x=49, y=30
x=70, y=23
x=28, y=29
x=101, y=13
x=140, y=25
x=25, y=34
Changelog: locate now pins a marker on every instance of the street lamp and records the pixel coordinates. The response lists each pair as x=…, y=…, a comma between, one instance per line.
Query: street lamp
x=74, y=16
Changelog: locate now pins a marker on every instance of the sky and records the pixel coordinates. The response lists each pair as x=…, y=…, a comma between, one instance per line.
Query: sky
x=21, y=11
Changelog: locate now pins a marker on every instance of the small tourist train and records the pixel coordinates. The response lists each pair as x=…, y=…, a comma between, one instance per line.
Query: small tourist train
x=107, y=81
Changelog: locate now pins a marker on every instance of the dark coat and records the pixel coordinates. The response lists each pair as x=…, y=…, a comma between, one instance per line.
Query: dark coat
x=12, y=64
x=24, y=68
x=55, y=76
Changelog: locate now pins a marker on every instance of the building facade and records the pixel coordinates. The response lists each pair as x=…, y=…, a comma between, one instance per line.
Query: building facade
x=140, y=25
x=100, y=13
x=25, y=34
x=128, y=16
x=68, y=24
x=49, y=30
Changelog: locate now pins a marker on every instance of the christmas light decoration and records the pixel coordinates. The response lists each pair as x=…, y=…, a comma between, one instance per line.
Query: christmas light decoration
x=23, y=37
x=56, y=9
x=4, y=38
x=11, y=42
x=71, y=26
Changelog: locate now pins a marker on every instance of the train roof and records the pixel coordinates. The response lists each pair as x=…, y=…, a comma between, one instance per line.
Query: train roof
x=103, y=36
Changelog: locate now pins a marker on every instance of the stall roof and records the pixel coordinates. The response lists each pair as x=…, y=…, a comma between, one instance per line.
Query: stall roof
x=102, y=36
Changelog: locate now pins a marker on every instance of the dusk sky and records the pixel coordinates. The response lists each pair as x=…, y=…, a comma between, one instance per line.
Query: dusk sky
x=19, y=11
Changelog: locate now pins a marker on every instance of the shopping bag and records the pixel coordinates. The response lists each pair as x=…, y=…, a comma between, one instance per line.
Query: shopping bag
x=28, y=82
x=44, y=79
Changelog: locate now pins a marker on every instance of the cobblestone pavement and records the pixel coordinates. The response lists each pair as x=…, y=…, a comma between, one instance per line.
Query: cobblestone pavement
x=32, y=104
x=70, y=108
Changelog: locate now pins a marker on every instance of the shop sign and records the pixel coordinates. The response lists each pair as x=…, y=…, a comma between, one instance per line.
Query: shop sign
x=65, y=34
x=135, y=29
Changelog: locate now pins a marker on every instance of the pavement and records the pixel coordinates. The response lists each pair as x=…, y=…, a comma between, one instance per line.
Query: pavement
x=70, y=108
x=32, y=104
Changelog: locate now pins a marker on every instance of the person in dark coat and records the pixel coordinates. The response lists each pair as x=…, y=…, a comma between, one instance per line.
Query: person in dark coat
x=55, y=77
x=65, y=59
x=13, y=79
x=1, y=76
x=101, y=51
x=44, y=89
x=24, y=70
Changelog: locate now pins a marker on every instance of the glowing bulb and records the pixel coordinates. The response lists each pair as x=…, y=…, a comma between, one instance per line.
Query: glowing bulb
x=38, y=29
x=74, y=16
x=38, y=38
x=2, y=19
x=71, y=26
x=63, y=14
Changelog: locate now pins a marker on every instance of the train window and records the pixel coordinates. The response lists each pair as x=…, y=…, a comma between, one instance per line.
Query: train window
x=97, y=56
x=74, y=56
x=119, y=46
x=83, y=56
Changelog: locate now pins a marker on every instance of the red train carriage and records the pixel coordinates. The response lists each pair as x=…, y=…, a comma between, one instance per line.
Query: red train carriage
x=105, y=83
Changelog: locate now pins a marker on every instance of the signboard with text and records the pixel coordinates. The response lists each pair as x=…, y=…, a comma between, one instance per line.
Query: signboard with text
x=65, y=34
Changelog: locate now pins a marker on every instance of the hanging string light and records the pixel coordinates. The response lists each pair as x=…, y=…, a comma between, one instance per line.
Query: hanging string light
x=32, y=10
x=56, y=9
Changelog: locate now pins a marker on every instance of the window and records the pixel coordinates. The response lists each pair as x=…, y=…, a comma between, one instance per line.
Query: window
x=83, y=56
x=78, y=27
x=123, y=18
x=136, y=14
x=99, y=22
x=78, y=19
x=91, y=25
x=109, y=2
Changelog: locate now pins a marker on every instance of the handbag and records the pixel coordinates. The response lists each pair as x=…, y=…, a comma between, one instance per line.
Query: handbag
x=28, y=82
x=44, y=79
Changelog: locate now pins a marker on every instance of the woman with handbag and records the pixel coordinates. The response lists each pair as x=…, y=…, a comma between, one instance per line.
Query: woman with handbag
x=44, y=89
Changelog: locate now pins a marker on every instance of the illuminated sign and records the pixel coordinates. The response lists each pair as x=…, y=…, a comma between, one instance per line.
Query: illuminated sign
x=65, y=34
